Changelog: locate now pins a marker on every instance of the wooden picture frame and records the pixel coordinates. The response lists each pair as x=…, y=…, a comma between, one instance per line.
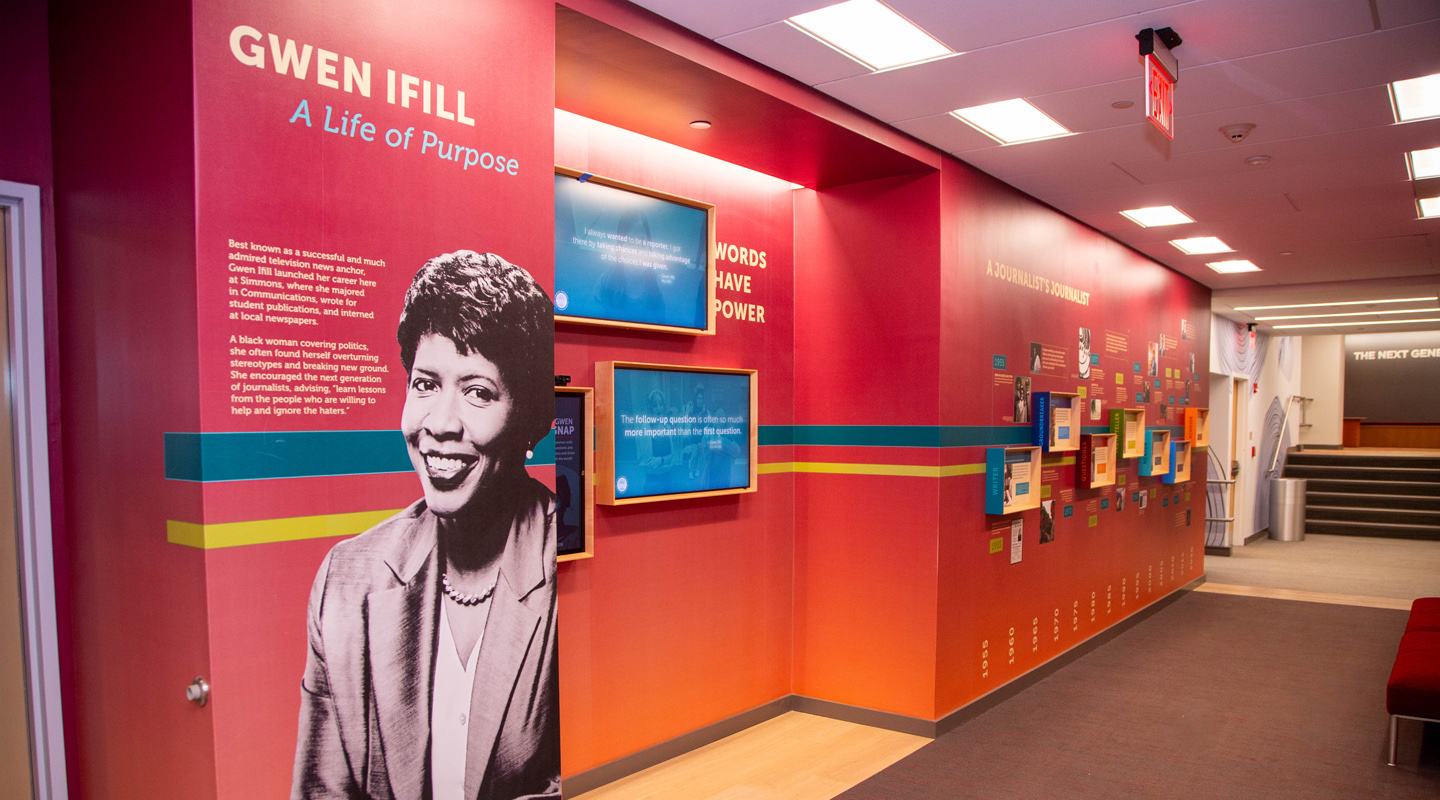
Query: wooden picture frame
x=605, y=425
x=1182, y=454
x=1120, y=423
x=1097, y=450
x=1156, y=461
x=1002, y=496
x=1197, y=426
x=709, y=208
x=1044, y=417
x=587, y=482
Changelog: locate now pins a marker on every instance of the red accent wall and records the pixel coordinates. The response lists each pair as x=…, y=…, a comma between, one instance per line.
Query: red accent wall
x=125, y=235
x=683, y=618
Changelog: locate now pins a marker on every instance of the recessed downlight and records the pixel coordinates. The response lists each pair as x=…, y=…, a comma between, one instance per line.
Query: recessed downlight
x=1258, y=161
x=1201, y=245
x=1352, y=324
x=1122, y=104
x=1156, y=216
x=871, y=33
x=1417, y=98
x=1011, y=121
x=1339, y=303
x=701, y=124
x=1231, y=267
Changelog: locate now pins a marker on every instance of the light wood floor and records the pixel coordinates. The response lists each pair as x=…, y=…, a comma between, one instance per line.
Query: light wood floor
x=1309, y=597
x=794, y=756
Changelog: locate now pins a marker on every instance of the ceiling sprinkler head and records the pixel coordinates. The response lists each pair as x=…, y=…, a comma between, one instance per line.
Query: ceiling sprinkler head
x=1238, y=131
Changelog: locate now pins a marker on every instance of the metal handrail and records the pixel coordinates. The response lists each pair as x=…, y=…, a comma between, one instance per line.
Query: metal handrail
x=1213, y=480
x=1219, y=519
x=1280, y=437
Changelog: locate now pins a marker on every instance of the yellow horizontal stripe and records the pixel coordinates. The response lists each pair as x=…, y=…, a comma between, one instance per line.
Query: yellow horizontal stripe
x=263, y=531
x=902, y=470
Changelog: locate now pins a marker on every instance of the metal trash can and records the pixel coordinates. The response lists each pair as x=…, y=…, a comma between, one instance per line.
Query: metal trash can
x=1287, y=509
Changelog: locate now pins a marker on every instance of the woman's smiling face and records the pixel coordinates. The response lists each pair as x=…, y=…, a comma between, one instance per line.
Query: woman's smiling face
x=457, y=408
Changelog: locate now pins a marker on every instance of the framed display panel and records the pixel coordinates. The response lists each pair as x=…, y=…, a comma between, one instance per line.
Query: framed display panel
x=1098, y=461
x=631, y=257
x=668, y=432
x=1128, y=425
x=1180, y=457
x=1056, y=421
x=574, y=472
x=1156, y=461
x=1012, y=479
x=1197, y=426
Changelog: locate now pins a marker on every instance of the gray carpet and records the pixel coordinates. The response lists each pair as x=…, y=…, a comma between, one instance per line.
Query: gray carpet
x=1213, y=697
x=1399, y=568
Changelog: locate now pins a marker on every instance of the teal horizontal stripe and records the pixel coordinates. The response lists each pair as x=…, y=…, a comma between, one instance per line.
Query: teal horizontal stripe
x=211, y=457
x=895, y=435
x=244, y=456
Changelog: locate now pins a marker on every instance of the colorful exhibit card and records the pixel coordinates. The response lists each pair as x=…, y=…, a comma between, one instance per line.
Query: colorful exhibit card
x=1017, y=540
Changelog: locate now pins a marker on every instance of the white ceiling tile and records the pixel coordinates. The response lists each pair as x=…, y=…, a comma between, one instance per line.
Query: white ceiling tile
x=722, y=19
x=782, y=47
x=1394, y=13
x=972, y=26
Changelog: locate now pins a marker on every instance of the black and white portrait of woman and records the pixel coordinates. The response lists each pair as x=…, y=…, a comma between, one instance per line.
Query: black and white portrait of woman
x=431, y=671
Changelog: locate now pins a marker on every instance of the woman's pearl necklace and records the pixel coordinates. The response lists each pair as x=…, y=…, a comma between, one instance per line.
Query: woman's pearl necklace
x=462, y=598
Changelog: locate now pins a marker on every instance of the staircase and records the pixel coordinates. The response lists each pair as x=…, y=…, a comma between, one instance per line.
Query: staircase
x=1396, y=496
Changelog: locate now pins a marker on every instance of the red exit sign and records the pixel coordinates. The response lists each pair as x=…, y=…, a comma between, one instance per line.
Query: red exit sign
x=1159, y=96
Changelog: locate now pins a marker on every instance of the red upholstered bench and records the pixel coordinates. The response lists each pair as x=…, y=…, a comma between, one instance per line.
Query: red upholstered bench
x=1414, y=688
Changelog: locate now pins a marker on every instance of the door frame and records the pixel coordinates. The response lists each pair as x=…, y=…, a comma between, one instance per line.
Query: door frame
x=30, y=426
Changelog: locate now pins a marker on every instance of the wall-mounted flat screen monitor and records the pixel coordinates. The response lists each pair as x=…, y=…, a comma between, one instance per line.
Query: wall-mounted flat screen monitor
x=673, y=431
x=574, y=470
x=631, y=257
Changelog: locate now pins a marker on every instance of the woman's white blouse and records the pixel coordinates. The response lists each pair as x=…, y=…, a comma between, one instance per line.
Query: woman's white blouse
x=450, y=710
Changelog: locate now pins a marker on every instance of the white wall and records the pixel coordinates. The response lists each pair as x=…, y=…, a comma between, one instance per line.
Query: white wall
x=1322, y=365
x=1273, y=367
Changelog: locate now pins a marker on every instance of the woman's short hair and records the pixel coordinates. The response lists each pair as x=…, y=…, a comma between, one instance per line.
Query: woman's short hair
x=488, y=306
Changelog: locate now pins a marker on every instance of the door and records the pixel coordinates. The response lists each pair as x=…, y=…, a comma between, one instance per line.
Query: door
x=15, y=759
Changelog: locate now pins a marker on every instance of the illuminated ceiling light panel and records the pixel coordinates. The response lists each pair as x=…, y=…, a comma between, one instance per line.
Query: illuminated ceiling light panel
x=1429, y=207
x=1155, y=216
x=1011, y=122
x=1350, y=324
x=1353, y=314
x=1201, y=245
x=1417, y=98
x=1425, y=164
x=1340, y=303
x=871, y=33
x=1229, y=267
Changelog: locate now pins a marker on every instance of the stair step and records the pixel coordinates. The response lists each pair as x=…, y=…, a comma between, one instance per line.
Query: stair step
x=1387, y=530
x=1373, y=487
x=1402, y=474
x=1361, y=500
x=1402, y=516
x=1369, y=460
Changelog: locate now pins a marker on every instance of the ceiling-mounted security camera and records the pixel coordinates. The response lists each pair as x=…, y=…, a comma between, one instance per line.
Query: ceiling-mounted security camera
x=1238, y=131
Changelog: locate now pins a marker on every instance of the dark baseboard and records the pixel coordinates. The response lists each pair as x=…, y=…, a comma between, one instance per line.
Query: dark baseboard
x=1324, y=447
x=863, y=716
x=625, y=766
x=1218, y=551
x=1260, y=534
x=979, y=706
x=612, y=771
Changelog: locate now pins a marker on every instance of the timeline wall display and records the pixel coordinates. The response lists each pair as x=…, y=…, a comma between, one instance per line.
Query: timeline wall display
x=574, y=431
x=632, y=257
